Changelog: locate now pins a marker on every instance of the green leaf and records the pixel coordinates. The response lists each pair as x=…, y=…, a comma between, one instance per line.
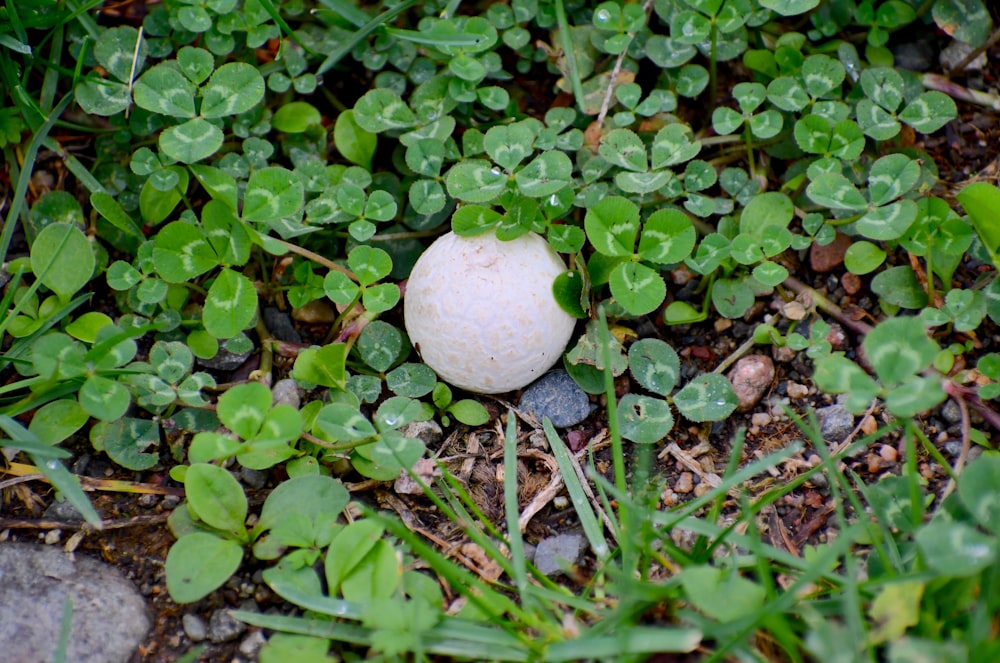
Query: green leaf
x=182, y=252
x=369, y=264
x=351, y=140
x=128, y=441
x=234, y=88
x=900, y=286
x=318, y=498
x=383, y=110
x=154, y=205
x=644, y=420
x=981, y=202
x=732, y=297
x=296, y=117
x=231, y=304
x=722, y=594
x=57, y=420
x=216, y=498
x=889, y=221
x=612, y=226
x=545, y=175
x=624, y=148
x=929, y=112
x=165, y=90
x=62, y=259
x=977, y=490
x=965, y=20
x=884, y=86
x=955, y=548
x=196, y=63
x=192, y=141
x=654, y=365
x=244, y=407
x=325, y=366
x=272, y=193
x=838, y=375
x=835, y=191
x=509, y=145
x=668, y=236
x=709, y=397
x=380, y=345
x=895, y=609
x=340, y=288
x=765, y=213
x=917, y=395
x=891, y=176
x=198, y=564
x=638, y=288
x=863, y=257
x=475, y=181
x=103, y=398
x=411, y=380
x=469, y=412
x=672, y=145
x=898, y=349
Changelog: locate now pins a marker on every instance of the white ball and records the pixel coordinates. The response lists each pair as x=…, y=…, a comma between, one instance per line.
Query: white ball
x=481, y=312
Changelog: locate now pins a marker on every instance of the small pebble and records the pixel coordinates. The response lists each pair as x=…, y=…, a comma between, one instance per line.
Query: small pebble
x=250, y=646
x=701, y=489
x=194, y=627
x=560, y=502
x=888, y=453
x=148, y=500
x=223, y=627
x=224, y=360
x=557, y=396
x=751, y=377
x=316, y=312
x=851, y=283
x=793, y=310
x=286, y=392
x=836, y=422
x=684, y=483
x=826, y=258
x=429, y=432
x=280, y=325
x=951, y=413
x=957, y=51
x=796, y=390
x=253, y=478
x=760, y=419
x=869, y=425
x=557, y=552
x=722, y=324
x=782, y=353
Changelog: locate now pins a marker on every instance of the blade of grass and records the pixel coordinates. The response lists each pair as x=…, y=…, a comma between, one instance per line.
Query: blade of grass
x=24, y=178
x=519, y=565
x=617, y=451
x=569, y=53
x=54, y=471
x=584, y=511
x=363, y=33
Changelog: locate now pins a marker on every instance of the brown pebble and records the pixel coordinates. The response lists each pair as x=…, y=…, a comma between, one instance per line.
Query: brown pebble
x=318, y=311
x=837, y=338
x=796, y=390
x=722, y=324
x=851, y=283
x=701, y=489
x=869, y=425
x=888, y=453
x=685, y=483
x=751, y=377
x=826, y=258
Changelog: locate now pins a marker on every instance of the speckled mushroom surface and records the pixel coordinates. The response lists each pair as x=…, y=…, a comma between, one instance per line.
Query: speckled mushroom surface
x=481, y=313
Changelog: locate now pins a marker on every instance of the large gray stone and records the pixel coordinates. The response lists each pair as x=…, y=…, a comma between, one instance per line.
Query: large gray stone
x=109, y=616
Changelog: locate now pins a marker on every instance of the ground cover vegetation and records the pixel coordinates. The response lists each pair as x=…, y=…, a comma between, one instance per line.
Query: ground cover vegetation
x=173, y=169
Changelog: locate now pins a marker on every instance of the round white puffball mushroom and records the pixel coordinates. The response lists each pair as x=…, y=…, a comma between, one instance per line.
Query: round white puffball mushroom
x=481, y=313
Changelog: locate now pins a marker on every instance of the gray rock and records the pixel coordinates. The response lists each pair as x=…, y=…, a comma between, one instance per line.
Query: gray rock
x=950, y=412
x=557, y=552
x=555, y=395
x=250, y=646
x=286, y=391
x=194, y=627
x=428, y=432
x=253, y=478
x=918, y=55
x=109, y=617
x=224, y=360
x=64, y=512
x=223, y=627
x=280, y=325
x=836, y=422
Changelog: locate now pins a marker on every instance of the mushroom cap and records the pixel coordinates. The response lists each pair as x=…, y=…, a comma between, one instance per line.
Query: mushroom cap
x=481, y=313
